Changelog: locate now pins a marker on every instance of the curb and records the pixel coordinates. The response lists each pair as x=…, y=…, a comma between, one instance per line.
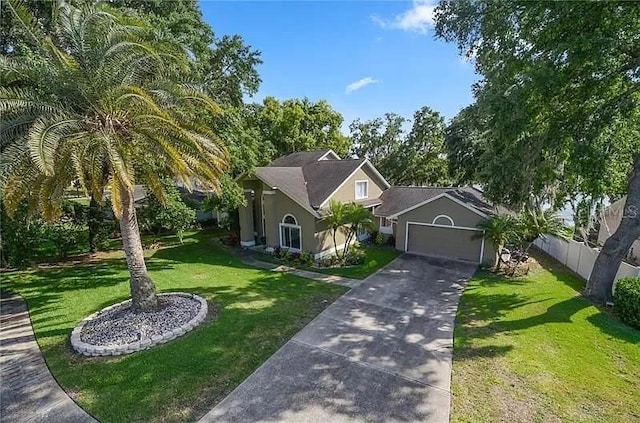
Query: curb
x=91, y=350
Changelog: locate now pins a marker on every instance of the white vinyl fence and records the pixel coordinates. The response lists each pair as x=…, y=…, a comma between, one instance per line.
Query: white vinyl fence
x=579, y=257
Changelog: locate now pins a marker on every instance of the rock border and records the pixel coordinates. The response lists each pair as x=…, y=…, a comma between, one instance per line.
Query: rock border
x=91, y=350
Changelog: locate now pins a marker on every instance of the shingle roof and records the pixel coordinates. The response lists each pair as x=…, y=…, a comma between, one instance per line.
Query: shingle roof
x=325, y=176
x=289, y=180
x=298, y=159
x=306, y=179
x=398, y=199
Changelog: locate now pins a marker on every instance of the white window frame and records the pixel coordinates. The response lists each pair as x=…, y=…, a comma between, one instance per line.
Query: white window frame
x=366, y=184
x=443, y=216
x=291, y=226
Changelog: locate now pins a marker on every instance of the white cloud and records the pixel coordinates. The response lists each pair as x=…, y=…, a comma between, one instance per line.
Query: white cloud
x=417, y=19
x=361, y=83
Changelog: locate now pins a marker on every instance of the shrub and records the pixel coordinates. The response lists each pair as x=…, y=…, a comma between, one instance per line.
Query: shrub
x=355, y=257
x=66, y=236
x=378, y=238
x=626, y=300
x=306, y=258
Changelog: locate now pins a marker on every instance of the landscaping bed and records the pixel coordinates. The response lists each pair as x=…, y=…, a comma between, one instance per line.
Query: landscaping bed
x=181, y=380
x=533, y=349
x=375, y=258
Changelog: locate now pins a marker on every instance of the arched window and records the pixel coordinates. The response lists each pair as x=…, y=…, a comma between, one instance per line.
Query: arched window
x=289, y=219
x=290, y=233
x=443, y=219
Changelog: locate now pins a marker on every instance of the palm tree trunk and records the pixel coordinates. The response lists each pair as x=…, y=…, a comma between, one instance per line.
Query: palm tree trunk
x=143, y=290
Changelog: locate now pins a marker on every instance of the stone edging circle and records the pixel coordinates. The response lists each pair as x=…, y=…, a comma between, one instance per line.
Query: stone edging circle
x=91, y=350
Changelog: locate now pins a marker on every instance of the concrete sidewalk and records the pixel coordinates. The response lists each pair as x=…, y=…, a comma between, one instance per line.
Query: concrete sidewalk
x=29, y=393
x=380, y=353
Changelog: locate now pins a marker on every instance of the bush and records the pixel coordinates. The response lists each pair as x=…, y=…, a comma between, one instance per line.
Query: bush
x=174, y=215
x=293, y=257
x=66, y=236
x=626, y=300
x=378, y=238
x=20, y=237
x=355, y=257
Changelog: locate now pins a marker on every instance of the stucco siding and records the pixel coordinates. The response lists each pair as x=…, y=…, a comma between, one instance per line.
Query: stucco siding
x=448, y=242
x=324, y=237
x=347, y=192
x=277, y=206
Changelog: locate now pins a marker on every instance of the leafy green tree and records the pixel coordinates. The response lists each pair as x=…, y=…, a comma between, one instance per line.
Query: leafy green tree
x=380, y=140
x=559, y=112
x=423, y=154
x=499, y=230
x=105, y=100
x=464, y=146
x=172, y=214
x=414, y=158
x=297, y=125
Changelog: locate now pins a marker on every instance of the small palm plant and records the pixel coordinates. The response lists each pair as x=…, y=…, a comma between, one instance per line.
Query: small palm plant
x=533, y=225
x=499, y=230
x=104, y=105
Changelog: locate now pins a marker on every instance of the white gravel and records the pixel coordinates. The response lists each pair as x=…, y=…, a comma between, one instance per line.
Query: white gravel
x=121, y=326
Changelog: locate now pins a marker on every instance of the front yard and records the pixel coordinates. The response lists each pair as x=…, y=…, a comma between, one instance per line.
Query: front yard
x=179, y=381
x=534, y=350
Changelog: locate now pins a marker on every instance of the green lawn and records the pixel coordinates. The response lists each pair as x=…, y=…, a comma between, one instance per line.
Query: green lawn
x=376, y=258
x=179, y=381
x=534, y=350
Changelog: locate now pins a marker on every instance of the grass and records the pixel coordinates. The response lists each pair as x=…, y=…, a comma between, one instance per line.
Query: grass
x=533, y=350
x=376, y=258
x=181, y=380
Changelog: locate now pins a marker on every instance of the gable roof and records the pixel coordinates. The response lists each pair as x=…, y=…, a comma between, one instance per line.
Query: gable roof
x=399, y=200
x=302, y=158
x=310, y=178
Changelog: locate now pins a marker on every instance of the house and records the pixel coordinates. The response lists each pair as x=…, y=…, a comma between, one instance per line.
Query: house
x=609, y=222
x=287, y=201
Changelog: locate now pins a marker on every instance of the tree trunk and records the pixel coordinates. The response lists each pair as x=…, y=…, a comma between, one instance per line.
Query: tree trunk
x=143, y=290
x=94, y=221
x=600, y=285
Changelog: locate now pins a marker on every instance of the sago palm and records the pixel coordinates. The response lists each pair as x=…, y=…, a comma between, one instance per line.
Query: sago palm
x=499, y=230
x=102, y=106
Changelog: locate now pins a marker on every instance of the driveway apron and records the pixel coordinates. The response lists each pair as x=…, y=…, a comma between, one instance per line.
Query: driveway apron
x=380, y=353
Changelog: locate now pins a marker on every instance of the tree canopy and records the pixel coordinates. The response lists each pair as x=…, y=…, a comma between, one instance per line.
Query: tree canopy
x=557, y=106
x=416, y=157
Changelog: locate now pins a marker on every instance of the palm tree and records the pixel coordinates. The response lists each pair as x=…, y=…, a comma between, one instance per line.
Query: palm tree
x=533, y=225
x=499, y=230
x=336, y=219
x=102, y=106
x=357, y=218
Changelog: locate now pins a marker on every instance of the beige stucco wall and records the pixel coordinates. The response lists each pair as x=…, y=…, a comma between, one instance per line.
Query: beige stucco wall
x=324, y=237
x=460, y=215
x=347, y=192
x=276, y=206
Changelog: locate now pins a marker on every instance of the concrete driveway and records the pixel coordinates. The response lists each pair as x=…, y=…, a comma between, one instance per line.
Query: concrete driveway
x=380, y=353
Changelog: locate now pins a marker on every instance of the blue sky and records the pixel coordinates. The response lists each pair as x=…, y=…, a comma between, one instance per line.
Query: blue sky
x=364, y=57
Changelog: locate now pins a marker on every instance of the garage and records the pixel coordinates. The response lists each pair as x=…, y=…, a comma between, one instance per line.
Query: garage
x=440, y=222
x=443, y=241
